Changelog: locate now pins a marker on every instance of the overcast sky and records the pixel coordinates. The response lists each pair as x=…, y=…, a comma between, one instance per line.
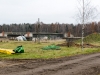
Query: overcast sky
x=49, y=11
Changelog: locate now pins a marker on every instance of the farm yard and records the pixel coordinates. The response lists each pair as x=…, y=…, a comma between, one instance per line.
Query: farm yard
x=67, y=60
x=64, y=40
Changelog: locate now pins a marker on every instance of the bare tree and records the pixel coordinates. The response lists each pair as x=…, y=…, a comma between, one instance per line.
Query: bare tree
x=86, y=9
x=86, y=13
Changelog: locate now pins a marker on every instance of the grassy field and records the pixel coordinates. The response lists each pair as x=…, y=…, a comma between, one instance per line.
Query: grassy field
x=34, y=51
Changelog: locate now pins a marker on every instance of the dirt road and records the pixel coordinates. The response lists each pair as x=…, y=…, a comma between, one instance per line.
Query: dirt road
x=77, y=65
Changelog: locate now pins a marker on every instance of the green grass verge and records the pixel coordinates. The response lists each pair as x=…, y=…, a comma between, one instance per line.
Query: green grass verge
x=34, y=51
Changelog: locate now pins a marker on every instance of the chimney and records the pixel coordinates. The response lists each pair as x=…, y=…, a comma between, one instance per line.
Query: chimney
x=28, y=33
x=3, y=33
x=68, y=34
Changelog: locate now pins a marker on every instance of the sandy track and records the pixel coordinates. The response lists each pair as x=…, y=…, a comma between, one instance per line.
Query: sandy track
x=78, y=65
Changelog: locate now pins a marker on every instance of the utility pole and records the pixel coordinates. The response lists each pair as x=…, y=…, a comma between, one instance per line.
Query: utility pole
x=38, y=33
x=83, y=26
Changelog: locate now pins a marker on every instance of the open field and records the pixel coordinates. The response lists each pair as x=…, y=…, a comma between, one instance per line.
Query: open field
x=34, y=50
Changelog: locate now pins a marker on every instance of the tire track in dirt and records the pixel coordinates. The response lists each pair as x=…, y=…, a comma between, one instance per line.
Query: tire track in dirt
x=77, y=69
x=77, y=66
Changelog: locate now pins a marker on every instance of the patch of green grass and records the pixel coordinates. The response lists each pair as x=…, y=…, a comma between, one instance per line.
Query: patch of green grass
x=34, y=51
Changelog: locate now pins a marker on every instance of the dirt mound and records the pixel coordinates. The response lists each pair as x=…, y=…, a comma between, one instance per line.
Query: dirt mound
x=72, y=44
x=69, y=44
x=90, y=46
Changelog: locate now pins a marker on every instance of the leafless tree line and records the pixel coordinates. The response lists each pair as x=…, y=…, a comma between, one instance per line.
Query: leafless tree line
x=76, y=30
